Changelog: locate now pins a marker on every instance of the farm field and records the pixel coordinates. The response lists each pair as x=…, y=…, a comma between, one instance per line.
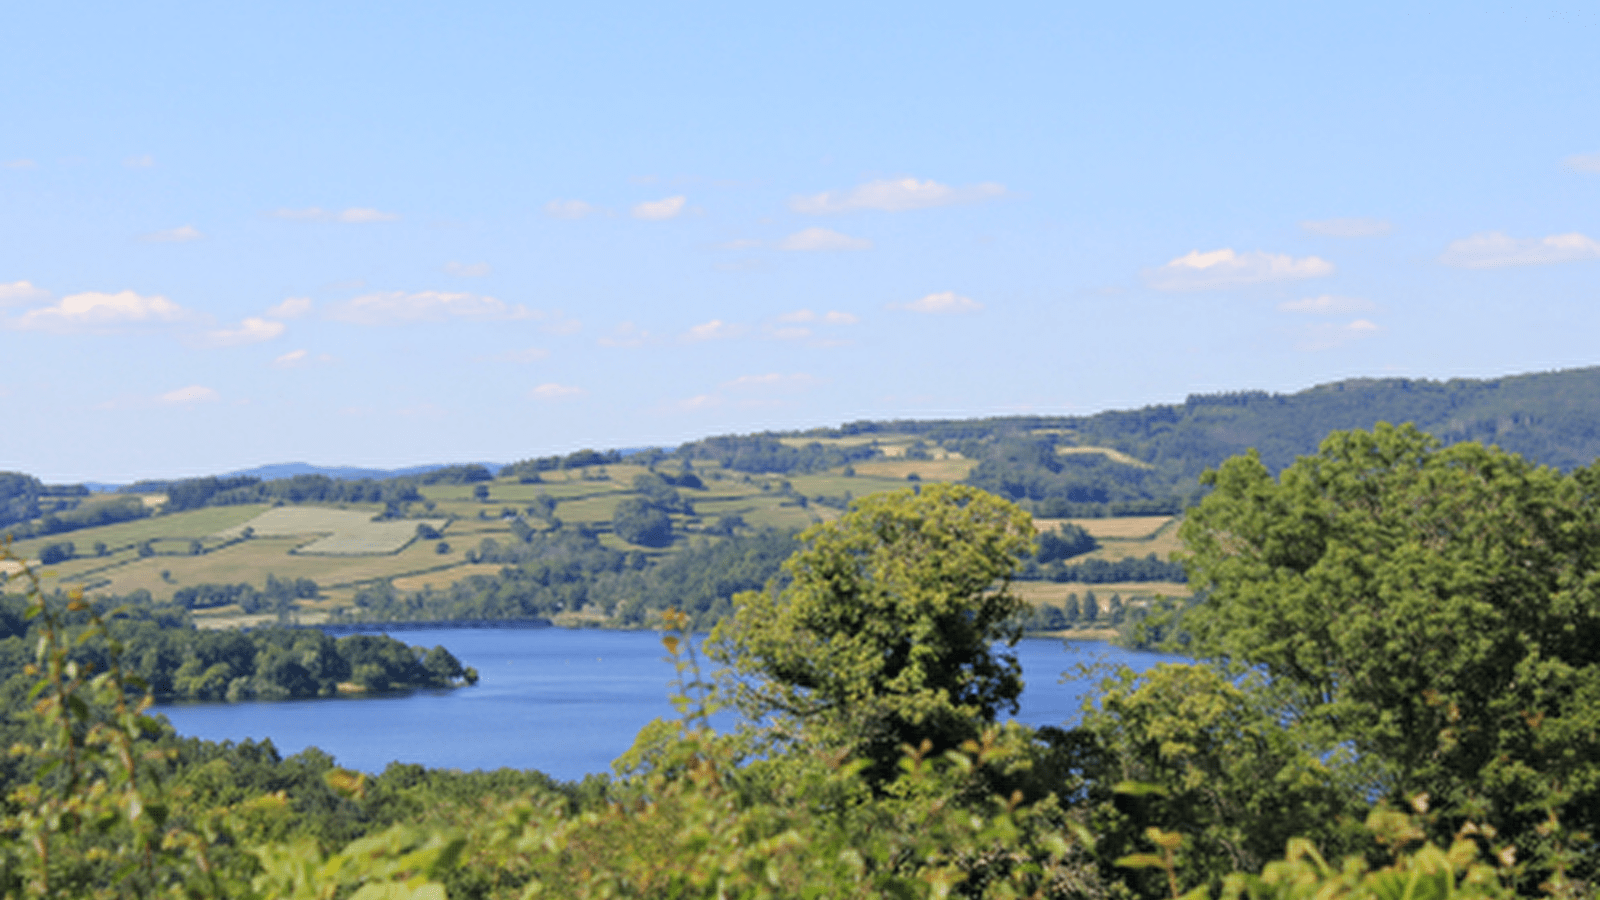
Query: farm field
x=342, y=548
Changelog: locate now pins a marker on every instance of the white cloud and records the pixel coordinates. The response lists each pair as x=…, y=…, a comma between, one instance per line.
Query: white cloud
x=1348, y=228
x=895, y=195
x=823, y=239
x=392, y=307
x=173, y=235
x=716, y=329
x=1327, y=304
x=552, y=391
x=250, y=331
x=467, y=270
x=940, y=303
x=17, y=164
x=1492, y=250
x=840, y=318
x=291, y=308
x=358, y=215
x=626, y=334
x=297, y=358
x=568, y=209
x=353, y=215
x=140, y=162
x=699, y=401
x=1224, y=268
x=99, y=310
x=184, y=396
x=1327, y=336
x=658, y=210
x=1581, y=162
x=21, y=292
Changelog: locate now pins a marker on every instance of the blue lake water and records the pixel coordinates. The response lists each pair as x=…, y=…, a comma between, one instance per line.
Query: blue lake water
x=566, y=702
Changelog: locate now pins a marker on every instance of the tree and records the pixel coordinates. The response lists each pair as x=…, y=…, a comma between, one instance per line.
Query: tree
x=886, y=634
x=638, y=521
x=481, y=493
x=1436, y=609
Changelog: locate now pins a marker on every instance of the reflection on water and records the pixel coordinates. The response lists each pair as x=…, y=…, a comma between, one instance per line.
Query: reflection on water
x=566, y=702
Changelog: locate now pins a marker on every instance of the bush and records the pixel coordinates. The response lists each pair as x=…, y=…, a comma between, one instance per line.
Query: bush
x=60, y=552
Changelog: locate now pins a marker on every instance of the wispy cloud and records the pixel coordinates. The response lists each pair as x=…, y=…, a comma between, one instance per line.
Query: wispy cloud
x=1224, y=268
x=188, y=396
x=714, y=330
x=833, y=317
x=1583, y=162
x=467, y=270
x=290, y=308
x=250, y=331
x=355, y=215
x=140, y=162
x=1329, y=335
x=19, y=292
x=627, y=334
x=295, y=359
x=895, y=195
x=396, y=307
x=738, y=244
x=568, y=209
x=553, y=391
x=659, y=210
x=179, y=235
x=1325, y=305
x=18, y=164
x=93, y=310
x=1493, y=250
x=823, y=239
x=942, y=303
x=1348, y=228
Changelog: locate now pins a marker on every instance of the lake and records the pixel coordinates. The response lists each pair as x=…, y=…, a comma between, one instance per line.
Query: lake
x=564, y=701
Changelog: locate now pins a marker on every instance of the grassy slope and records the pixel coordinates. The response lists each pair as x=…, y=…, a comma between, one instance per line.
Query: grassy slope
x=583, y=497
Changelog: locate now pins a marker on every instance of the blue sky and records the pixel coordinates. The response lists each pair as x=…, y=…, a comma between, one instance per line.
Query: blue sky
x=385, y=234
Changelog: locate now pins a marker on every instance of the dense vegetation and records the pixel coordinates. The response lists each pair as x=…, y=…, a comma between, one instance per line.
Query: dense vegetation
x=568, y=569
x=1398, y=674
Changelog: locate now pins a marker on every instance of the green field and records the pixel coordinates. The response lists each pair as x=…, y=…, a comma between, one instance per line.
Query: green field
x=342, y=547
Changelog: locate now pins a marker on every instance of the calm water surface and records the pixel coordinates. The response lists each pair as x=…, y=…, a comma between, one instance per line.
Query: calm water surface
x=564, y=701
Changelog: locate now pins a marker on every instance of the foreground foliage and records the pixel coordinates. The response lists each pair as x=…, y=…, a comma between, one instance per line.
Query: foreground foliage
x=872, y=764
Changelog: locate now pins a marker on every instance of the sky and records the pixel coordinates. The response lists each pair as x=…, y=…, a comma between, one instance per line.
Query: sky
x=384, y=234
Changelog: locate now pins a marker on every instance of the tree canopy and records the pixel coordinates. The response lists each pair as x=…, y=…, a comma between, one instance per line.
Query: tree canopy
x=885, y=635
x=1438, y=609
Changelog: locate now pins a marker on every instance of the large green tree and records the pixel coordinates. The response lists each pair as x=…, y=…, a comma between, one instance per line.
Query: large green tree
x=1438, y=609
x=886, y=633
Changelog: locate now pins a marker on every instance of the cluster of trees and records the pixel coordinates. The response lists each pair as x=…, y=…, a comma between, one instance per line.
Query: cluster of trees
x=194, y=493
x=1074, y=611
x=1395, y=698
x=646, y=519
x=278, y=595
x=568, y=569
x=765, y=453
x=1105, y=571
x=528, y=470
x=175, y=661
x=76, y=516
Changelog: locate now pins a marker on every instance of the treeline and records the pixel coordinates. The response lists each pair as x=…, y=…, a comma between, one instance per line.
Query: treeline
x=1088, y=610
x=194, y=493
x=24, y=497
x=1105, y=571
x=765, y=453
x=278, y=596
x=567, y=569
x=176, y=661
